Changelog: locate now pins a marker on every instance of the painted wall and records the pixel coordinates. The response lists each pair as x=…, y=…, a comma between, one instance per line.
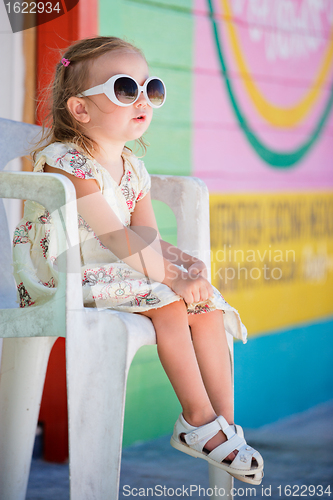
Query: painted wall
x=249, y=112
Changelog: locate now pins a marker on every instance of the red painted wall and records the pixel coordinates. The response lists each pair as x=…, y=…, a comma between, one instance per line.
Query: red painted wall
x=52, y=38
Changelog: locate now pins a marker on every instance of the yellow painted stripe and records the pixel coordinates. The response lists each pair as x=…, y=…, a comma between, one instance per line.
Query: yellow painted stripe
x=284, y=117
x=272, y=256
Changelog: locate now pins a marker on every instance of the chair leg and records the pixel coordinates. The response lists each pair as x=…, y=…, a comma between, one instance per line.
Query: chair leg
x=23, y=368
x=96, y=351
x=220, y=482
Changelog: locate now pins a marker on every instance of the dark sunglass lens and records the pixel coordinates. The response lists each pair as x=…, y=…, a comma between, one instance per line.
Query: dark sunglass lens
x=156, y=92
x=125, y=90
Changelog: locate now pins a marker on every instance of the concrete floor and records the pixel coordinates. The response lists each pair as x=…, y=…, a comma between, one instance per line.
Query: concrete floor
x=298, y=451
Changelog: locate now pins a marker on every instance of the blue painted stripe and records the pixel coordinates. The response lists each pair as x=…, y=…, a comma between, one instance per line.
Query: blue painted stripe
x=279, y=374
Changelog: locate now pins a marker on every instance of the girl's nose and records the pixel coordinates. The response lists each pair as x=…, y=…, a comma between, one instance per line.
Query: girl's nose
x=142, y=101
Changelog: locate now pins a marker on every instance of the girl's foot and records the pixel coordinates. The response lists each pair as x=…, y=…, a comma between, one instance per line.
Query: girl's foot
x=221, y=438
x=196, y=441
x=216, y=440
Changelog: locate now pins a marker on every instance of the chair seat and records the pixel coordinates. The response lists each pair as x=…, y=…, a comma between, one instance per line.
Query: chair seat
x=140, y=329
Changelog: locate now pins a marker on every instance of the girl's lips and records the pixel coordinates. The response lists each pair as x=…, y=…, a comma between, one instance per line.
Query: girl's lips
x=140, y=118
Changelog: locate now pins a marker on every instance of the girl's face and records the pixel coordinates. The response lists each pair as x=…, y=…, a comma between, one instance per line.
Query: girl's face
x=107, y=121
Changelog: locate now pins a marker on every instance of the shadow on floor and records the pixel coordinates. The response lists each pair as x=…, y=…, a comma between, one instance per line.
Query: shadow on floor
x=298, y=454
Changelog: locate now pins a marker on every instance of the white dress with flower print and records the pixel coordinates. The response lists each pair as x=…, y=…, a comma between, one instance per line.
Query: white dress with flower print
x=107, y=281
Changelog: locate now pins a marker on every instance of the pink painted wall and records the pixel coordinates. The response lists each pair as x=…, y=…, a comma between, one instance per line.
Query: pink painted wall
x=283, y=43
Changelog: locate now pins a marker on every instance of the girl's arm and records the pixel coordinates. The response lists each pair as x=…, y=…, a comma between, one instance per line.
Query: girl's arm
x=143, y=215
x=193, y=265
x=128, y=245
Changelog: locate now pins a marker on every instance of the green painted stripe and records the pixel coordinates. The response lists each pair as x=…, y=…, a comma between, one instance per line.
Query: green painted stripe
x=166, y=221
x=166, y=38
x=270, y=156
x=170, y=150
x=178, y=106
x=186, y=7
x=173, y=67
x=151, y=405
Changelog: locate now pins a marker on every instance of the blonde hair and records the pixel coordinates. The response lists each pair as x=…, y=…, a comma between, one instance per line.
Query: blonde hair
x=59, y=124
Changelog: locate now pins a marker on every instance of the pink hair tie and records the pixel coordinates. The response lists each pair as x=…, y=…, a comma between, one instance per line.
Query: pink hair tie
x=65, y=62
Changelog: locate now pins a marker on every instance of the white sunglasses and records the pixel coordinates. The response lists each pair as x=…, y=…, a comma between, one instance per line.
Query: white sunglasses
x=123, y=90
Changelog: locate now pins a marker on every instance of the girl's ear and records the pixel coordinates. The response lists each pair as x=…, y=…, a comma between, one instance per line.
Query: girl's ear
x=77, y=107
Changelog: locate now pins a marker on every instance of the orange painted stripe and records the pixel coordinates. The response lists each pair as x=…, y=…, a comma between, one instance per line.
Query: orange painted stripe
x=88, y=18
x=52, y=37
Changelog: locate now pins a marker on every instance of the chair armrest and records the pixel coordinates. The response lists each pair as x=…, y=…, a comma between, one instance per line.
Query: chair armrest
x=188, y=197
x=52, y=191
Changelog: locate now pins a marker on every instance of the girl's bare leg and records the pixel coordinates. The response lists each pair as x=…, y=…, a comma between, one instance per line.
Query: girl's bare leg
x=183, y=365
x=177, y=355
x=212, y=353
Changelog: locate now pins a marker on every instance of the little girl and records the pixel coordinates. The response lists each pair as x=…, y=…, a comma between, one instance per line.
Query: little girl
x=103, y=97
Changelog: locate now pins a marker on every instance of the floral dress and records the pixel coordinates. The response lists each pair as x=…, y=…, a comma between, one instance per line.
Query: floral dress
x=107, y=281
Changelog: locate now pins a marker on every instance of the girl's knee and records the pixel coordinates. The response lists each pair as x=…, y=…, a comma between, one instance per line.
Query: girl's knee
x=209, y=318
x=174, y=309
x=179, y=305
x=169, y=310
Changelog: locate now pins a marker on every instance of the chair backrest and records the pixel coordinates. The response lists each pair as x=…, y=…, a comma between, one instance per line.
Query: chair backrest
x=16, y=139
x=188, y=197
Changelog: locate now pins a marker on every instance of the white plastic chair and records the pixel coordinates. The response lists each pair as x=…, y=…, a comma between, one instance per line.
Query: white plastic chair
x=100, y=345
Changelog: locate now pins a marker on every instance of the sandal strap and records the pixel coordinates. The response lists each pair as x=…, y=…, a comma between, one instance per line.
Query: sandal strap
x=236, y=441
x=239, y=430
x=199, y=436
x=227, y=429
x=223, y=450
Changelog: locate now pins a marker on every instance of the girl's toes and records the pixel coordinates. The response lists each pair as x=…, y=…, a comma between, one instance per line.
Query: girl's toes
x=218, y=439
x=231, y=457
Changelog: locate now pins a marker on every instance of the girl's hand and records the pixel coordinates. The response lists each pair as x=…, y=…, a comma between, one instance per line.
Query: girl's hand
x=193, y=288
x=198, y=267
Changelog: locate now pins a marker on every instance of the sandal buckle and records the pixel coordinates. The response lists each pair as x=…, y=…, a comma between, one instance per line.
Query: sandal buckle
x=193, y=438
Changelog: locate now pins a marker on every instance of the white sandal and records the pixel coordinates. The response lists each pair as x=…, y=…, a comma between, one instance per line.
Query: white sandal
x=193, y=443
